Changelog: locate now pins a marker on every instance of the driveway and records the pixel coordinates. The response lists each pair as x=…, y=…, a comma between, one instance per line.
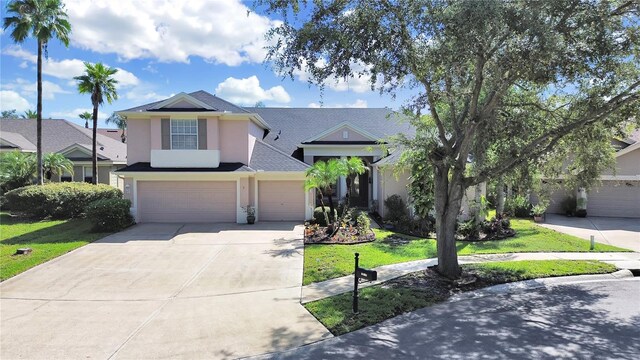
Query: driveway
x=621, y=232
x=163, y=291
x=588, y=320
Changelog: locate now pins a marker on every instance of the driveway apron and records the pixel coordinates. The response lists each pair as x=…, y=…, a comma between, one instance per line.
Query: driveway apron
x=163, y=291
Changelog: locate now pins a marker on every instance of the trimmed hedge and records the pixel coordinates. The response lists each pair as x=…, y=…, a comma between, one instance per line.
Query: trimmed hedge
x=58, y=200
x=109, y=214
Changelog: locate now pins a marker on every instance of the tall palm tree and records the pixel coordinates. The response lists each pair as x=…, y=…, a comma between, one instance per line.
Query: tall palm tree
x=99, y=82
x=86, y=116
x=120, y=122
x=55, y=163
x=29, y=114
x=44, y=20
x=322, y=176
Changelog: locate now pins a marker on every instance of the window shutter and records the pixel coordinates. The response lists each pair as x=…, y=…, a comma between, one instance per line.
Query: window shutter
x=202, y=134
x=165, y=130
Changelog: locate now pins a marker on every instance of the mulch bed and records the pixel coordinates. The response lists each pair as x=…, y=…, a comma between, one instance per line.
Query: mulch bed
x=349, y=236
x=504, y=234
x=438, y=286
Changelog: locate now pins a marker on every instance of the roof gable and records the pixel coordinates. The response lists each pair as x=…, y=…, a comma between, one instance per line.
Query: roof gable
x=344, y=131
x=182, y=101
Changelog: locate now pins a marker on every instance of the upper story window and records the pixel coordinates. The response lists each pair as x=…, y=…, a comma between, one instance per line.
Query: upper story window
x=184, y=134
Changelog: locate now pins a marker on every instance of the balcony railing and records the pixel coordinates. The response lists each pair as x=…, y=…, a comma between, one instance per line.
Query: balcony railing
x=185, y=158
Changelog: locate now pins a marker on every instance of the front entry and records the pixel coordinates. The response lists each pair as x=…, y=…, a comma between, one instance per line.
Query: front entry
x=359, y=196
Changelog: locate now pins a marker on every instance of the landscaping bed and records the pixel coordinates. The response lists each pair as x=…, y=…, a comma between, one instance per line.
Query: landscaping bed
x=346, y=236
x=424, y=288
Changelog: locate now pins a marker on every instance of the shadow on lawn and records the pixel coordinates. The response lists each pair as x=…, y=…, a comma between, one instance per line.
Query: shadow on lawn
x=48, y=235
x=566, y=322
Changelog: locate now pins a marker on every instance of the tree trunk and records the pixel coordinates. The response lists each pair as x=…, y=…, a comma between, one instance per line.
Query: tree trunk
x=331, y=207
x=448, y=199
x=40, y=177
x=500, y=196
x=94, y=178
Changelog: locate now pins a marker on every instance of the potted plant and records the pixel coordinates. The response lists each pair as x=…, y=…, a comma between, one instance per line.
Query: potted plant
x=251, y=213
x=538, y=212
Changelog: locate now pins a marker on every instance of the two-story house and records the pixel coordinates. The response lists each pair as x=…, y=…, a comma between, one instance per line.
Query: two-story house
x=197, y=158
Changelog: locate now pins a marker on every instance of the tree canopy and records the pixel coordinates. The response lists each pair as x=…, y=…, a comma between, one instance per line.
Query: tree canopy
x=505, y=82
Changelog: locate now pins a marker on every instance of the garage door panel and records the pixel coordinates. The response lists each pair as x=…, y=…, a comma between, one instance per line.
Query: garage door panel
x=615, y=198
x=280, y=201
x=184, y=201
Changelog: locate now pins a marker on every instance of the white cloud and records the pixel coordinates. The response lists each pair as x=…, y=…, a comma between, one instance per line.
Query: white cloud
x=68, y=68
x=10, y=100
x=142, y=95
x=74, y=114
x=23, y=65
x=360, y=82
x=219, y=31
x=359, y=103
x=248, y=91
x=29, y=89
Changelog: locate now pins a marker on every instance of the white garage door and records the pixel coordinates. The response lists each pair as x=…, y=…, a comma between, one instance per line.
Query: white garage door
x=615, y=198
x=280, y=201
x=186, y=201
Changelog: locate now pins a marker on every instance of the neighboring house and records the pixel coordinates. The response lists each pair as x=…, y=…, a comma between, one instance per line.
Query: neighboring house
x=619, y=192
x=71, y=140
x=115, y=134
x=195, y=157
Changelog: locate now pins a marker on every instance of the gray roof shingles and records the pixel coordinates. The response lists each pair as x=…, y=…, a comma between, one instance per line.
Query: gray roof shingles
x=201, y=95
x=292, y=126
x=58, y=135
x=267, y=158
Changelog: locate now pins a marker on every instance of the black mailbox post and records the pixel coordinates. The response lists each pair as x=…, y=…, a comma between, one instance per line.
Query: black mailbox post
x=365, y=275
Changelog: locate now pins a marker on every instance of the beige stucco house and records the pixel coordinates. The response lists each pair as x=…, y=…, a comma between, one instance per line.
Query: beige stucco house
x=70, y=140
x=198, y=158
x=618, y=194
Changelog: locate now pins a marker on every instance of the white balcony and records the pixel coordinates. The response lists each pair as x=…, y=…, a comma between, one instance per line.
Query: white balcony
x=185, y=158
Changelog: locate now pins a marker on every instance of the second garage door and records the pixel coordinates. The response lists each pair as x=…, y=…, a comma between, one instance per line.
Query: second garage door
x=615, y=198
x=186, y=201
x=280, y=201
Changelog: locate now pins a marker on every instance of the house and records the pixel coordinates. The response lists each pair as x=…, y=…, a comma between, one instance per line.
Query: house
x=115, y=134
x=618, y=194
x=195, y=157
x=70, y=140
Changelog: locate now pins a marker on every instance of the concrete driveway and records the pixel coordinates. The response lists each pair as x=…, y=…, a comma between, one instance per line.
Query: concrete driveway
x=621, y=232
x=163, y=291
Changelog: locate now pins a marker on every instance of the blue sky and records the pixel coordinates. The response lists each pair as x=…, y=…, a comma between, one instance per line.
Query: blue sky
x=162, y=48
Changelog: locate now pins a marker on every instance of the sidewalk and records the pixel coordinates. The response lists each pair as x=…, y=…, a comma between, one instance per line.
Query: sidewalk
x=321, y=290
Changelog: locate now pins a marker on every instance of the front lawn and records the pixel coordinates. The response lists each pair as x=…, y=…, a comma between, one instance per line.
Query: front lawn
x=323, y=262
x=424, y=288
x=47, y=238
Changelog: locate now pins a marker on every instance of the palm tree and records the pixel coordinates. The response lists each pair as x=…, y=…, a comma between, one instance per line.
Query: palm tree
x=322, y=176
x=120, y=122
x=351, y=167
x=29, y=114
x=16, y=169
x=98, y=82
x=55, y=163
x=86, y=116
x=42, y=19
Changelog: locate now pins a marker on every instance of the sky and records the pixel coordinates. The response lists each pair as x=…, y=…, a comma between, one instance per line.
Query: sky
x=162, y=48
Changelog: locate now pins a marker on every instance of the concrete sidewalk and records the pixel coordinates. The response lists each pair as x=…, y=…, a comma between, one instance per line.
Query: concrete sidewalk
x=321, y=290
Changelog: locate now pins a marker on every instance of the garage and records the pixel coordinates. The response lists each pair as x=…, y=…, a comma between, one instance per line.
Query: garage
x=281, y=201
x=615, y=199
x=187, y=201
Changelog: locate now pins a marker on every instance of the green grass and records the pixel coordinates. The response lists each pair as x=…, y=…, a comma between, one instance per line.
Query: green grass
x=47, y=238
x=323, y=262
x=380, y=302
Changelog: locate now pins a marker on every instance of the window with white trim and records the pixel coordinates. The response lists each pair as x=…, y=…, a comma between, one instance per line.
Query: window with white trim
x=88, y=174
x=184, y=134
x=66, y=176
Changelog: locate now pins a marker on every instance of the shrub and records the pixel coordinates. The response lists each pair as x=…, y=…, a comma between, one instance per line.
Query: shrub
x=363, y=223
x=396, y=209
x=569, y=205
x=517, y=206
x=469, y=230
x=58, y=200
x=318, y=215
x=109, y=214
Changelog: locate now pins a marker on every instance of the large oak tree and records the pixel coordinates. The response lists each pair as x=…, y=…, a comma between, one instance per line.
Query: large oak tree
x=503, y=81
